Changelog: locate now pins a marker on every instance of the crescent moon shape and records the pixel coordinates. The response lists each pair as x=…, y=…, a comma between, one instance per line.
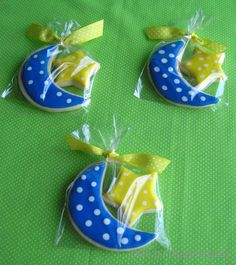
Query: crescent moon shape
x=91, y=218
x=164, y=72
x=37, y=83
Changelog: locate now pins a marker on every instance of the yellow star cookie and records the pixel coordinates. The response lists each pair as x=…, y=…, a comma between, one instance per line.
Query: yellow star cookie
x=134, y=194
x=77, y=69
x=203, y=64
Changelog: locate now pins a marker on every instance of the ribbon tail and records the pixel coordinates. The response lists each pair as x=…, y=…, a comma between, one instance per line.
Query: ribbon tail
x=78, y=145
x=163, y=32
x=87, y=33
x=147, y=162
x=42, y=33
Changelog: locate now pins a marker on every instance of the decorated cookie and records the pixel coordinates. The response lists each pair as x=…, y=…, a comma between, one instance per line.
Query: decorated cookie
x=135, y=194
x=164, y=72
x=204, y=64
x=92, y=219
x=37, y=83
x=78, y=70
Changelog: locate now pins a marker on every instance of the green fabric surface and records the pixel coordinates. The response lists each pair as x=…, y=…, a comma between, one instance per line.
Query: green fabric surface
x=198, y=187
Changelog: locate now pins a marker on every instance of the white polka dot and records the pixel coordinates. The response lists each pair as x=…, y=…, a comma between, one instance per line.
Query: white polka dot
x=124, y=241
x=96, y=168
x=176, y=81
x=97, y=212
x=189, y=63
x=179, y=89
x=29, y=68
x=203, y=98
x=46, y=82
x=170, y=69
x=121, y=183
x=88, y=223
x=79, y=207
x=200, y=58
x=42, y=96
x=91, y=198
x=144, y=203
x=206, y=65
x=164, y=60
x=157, y=204
x=137, y=238
x=106, y=236
x=120, y=230
x=79, y=189
x=41, y=72
x=133, y=213
x=112, y=195
x=42, y=62
x=161, y=52
x=199, y=68
x=93, y=184
x=106, y=221
x=173, y=45
x=156, y=69
x=215, y=61
x=83, y=177
x=202, y=76
x=213, y=70
x=35, y=56
x=145, y=192
x=164, y=75
x=59, y=94
x=164, y=87
x=184, y=99
x=199, y=52
x=69, y=100
x=30, y=82
x=171, y=55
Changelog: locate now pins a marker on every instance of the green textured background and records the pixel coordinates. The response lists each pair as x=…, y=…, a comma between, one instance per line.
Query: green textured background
x=198, y=188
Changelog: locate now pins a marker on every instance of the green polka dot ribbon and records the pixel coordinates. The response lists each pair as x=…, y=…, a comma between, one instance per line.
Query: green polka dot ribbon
x=79, y=36
x=147, y=162
x=169, y=32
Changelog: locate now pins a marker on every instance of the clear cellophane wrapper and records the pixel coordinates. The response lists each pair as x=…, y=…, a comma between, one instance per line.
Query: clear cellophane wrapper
x=130, y=195
x=57, y=77
x=200, y=69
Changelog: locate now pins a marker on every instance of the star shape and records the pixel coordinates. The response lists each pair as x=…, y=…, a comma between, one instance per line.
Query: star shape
x=134, y=195
x=203, y=64
x=77, y=69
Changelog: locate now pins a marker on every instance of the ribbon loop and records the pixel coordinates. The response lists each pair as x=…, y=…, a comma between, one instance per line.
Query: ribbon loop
x=42, y=33
x=79, y=36
x=147, y=162
x=170, y=32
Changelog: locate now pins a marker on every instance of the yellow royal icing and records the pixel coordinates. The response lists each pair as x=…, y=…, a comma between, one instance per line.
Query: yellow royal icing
x=202, y=64
x=136, y=194
x=77, y=70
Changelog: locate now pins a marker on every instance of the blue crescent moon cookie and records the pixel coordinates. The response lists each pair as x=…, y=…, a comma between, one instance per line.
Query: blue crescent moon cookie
x=93, y=221
x=164, y=72
x=37, y=83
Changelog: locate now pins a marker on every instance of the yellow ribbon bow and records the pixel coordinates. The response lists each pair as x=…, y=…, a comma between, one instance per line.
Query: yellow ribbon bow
x=170, y=32
x=148, y=162
x=79, y=36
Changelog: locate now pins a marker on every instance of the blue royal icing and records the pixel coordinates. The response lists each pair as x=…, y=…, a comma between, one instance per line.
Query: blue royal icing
x=93, y=220
x=40, y=86
x=168, y=81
